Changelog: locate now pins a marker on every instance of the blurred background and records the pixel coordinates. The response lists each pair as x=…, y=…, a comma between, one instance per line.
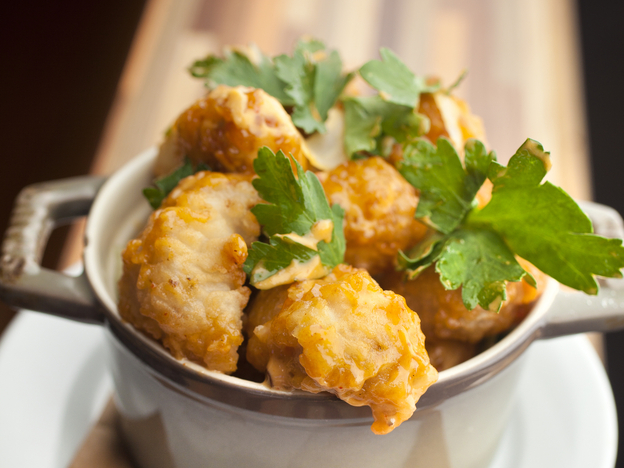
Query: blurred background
x=87, y=85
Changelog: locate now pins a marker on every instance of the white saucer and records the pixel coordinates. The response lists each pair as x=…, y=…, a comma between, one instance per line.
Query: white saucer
x=565, y=414
x=54, y=384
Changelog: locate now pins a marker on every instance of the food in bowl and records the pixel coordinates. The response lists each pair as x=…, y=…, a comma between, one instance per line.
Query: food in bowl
x=410, y=200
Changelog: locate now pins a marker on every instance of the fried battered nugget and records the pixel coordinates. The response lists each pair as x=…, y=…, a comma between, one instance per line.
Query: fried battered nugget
x=379, y=209
x=443, y=314
x=182, y=279
x=343, y=334
x=226, y=128
x=265, y=305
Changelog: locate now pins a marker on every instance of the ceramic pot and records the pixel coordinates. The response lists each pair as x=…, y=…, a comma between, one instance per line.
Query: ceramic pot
x=177, y=414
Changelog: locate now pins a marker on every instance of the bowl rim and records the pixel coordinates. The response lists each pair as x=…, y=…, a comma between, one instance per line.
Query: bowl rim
x=199, y=383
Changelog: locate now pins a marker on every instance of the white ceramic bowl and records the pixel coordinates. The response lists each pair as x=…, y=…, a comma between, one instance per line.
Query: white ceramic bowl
x=177, y=414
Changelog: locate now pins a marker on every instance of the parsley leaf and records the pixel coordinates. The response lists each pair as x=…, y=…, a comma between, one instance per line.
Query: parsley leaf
x=314, y=80
x=541, y=223
x=477, y=260
x=394, y=81
x=164, y=185
x=310, y=81
x=447, y=190
x=244, y=67
x=480, y=262
x=363, y=117
x=329, y=83
x=295, y=205
x=369, y=118
x=391, y=113
x=422, y=255
x=475, y=249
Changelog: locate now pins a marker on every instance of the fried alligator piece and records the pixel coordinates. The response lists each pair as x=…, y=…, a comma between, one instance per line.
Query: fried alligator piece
x=443, y=314
x=226, y=128
x=182, y=278
x=265, y=305
x=379, y=209
x=343, y=334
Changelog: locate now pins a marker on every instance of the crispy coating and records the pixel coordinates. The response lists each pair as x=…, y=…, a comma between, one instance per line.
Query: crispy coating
x=379, y=209
x=226, y=128
x=443, y=314
x=343, y=334
x=265, y=305
x=182, y=278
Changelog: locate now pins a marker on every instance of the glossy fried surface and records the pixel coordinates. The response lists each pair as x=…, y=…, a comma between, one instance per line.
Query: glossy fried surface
x=379, y=209
x=265, y=305
x=226, y=128
x=343, y=334
x=182, y=278
x=443, y=314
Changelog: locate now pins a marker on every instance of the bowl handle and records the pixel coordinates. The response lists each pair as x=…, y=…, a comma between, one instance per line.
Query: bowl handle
x=575, y=312
x=24, y=283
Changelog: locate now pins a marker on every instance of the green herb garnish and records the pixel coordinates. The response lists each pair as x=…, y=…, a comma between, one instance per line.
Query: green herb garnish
x=476, y=249
x=309, y=81
x=542, y=223
x=369, y=119
x=295, y=205
x=164, y=185
x=395, y=82
x=391, y=113
x=313, y=78
x=242, y=68
x=447, y=190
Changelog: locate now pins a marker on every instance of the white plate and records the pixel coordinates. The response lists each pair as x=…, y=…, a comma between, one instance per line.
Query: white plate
x=54, y=384
x=565, y=414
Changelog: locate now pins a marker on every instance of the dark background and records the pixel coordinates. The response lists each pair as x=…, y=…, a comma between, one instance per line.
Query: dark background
x=60, y=64
x=602, y=38
x=61, y=61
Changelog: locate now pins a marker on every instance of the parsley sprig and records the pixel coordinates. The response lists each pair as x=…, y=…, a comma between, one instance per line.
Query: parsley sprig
x=476, y=248
x=395, y=81
x=369, y=119
x=165, y=184
x=393, y=112
x=310, y=81
x=295, y=204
